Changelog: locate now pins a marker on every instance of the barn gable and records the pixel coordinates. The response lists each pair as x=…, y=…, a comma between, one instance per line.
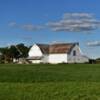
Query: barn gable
x=35, y=51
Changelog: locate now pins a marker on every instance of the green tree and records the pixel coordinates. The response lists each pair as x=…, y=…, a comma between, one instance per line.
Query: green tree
x=14, y=51
x=23, y=50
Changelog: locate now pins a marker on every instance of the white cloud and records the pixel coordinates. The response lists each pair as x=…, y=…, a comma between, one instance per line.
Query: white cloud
x=31, y=27
x=12, y=24
x=28, y=27
x=75, y=22
x=81, y=15
x=71, y=22
x=93, y=43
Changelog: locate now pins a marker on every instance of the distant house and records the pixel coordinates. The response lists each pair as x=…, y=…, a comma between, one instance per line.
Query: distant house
x=56, y=53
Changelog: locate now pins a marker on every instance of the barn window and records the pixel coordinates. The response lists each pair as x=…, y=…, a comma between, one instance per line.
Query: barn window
x=74, y=53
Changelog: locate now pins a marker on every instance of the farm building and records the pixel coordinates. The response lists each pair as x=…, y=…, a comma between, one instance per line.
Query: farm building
x=56, y=53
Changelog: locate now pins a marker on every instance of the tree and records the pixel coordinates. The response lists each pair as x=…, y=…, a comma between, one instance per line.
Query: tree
x=14, y=51
x=23, y=50
x=5, y=55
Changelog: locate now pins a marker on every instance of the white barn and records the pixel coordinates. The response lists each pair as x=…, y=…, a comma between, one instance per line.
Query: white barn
x=56, y=53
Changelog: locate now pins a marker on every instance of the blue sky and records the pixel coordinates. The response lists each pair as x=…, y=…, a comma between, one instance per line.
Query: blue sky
x=23, y=21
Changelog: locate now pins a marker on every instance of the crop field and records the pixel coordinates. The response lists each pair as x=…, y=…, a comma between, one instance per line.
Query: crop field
x=50, y=82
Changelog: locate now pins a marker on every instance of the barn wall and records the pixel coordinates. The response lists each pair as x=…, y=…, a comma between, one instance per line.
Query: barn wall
x=45, y=59
x=79, y=58
x=57, y=58
x=35, y=51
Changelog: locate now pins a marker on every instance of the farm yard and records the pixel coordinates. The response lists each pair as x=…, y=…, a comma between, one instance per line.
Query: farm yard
x=50, y=82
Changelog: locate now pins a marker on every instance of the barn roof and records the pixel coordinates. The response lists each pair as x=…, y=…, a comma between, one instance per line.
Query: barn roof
x=44, y=48
x=61, y=48
x=57, y=48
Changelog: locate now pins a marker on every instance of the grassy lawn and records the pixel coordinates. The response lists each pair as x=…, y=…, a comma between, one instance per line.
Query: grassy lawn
x=50, y=82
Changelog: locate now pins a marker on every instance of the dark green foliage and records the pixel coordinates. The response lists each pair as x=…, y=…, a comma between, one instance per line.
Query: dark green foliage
x=23, y=50
x=14, y=51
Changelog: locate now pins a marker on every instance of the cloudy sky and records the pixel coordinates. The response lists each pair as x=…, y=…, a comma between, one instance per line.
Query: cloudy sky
x=49, y=21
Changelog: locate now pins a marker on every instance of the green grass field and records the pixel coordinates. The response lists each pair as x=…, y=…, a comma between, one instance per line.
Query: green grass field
x=50, y=82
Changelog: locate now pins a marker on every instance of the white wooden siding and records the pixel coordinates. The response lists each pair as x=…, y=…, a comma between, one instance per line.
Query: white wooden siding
x=79, y=58
x=57, y=58
x=35, y=51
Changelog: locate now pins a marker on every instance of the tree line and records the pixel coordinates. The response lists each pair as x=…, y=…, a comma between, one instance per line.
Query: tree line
x=7, y=54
